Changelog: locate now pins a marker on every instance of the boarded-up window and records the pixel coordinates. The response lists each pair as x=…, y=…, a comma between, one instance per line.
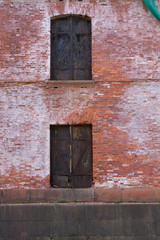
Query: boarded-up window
x=71, y=48
x=71, y=156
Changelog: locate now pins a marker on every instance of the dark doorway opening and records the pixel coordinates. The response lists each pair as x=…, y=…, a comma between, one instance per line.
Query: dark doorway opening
x=71, y=156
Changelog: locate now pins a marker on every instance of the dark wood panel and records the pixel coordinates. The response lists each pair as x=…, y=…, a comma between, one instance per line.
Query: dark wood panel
x=60, y=155
x=71, y=48
x=71, y=156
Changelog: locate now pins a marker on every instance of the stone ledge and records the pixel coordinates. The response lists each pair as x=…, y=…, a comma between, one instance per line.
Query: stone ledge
x=71, y=83
x=46, y=195
x=80, y=195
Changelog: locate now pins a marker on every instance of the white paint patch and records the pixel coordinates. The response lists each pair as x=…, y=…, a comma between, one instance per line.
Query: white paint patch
x=100, y=94
x=100, y=15
x=106, y=85
x=139, y=117
x=25, y=135
x=119, y=182
x=71, y=102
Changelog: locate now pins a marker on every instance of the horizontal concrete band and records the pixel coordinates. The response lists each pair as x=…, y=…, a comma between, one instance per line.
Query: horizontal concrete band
x=80, y=221
x=80, y=195
x=85, y=237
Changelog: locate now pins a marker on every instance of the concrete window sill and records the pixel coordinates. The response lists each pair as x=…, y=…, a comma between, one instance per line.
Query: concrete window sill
x=71, y=83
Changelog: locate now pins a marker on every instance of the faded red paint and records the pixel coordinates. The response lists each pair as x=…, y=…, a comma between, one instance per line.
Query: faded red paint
x=122, y=105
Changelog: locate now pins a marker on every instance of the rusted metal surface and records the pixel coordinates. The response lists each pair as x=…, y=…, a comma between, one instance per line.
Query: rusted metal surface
x=71, y=156
x=71, y=48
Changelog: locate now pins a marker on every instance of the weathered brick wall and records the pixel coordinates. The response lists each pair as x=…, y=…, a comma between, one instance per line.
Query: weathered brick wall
x=122, y=106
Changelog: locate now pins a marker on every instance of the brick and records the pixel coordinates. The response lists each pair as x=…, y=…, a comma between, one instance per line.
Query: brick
x=121, y=102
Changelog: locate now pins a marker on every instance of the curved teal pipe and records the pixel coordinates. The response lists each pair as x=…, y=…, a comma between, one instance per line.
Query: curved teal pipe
x=152, y=8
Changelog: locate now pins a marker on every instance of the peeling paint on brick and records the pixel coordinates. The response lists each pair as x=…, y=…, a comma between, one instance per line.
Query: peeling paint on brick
x=122, y=105
x=140, y=104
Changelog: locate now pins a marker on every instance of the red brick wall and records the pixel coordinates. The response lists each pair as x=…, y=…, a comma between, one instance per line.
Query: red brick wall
x=122, y=105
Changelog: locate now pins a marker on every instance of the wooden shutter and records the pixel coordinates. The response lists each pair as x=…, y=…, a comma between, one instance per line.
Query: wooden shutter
x=82, y=155
x=71, y=156
x=71, y=48
x=60, y=156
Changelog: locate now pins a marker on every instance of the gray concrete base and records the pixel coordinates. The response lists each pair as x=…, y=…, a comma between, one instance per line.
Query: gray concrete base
x=75, y=221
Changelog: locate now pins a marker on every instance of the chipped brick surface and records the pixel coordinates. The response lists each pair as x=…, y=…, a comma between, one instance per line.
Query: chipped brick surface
x=122, y=105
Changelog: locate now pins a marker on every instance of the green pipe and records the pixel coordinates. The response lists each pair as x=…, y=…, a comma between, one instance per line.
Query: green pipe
x=152, y=8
